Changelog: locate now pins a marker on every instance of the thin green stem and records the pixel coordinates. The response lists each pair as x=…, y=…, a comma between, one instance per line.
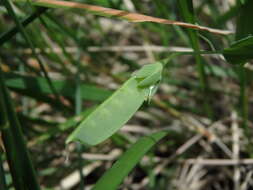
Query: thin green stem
x=244, y=99
x=78, y=108
x=187, y=11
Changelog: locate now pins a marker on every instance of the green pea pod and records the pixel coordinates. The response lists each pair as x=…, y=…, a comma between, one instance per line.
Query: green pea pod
x=149, y=75
x=113, y=113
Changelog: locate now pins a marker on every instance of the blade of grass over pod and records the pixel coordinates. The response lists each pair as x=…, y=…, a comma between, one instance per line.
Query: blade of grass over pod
x=240, y=51
x=121, y=106
x=19, y=161
x=115, y=175
x=65, y=88
x=108, y=12
x=5, y=37
x=187, y=11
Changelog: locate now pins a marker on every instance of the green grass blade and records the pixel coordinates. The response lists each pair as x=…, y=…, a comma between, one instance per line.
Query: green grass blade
x=186, y=9
x=115, y=175
x=13, y=31
x=20, y=164
x=38, y=86
x=244, y=24
x=3, y=124
x=244, y=29
x=30, y=43
x=78, y=107
x=8, y=140
x=240, y=51
x=3, y=185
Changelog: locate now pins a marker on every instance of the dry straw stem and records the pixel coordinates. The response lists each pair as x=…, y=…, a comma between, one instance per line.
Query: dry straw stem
x=219, y=162
x=123, y=48
x=108, y=12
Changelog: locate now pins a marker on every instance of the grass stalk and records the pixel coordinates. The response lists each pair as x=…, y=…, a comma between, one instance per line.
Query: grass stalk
x=78, y=109
x=30, y=43
x=244, y=29
x=187, y=12
x=3, y=185
x=244, y=99
x=5, y=37
x=22, y=170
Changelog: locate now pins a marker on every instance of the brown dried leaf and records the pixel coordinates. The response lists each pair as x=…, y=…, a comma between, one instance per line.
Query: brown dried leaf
x=132, y=17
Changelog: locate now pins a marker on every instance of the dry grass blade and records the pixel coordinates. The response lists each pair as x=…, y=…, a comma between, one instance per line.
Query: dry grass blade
x=132, y=17
x=219, y=162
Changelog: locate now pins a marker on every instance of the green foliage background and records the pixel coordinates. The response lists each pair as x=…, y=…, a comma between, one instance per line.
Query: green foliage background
x=58, y=65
